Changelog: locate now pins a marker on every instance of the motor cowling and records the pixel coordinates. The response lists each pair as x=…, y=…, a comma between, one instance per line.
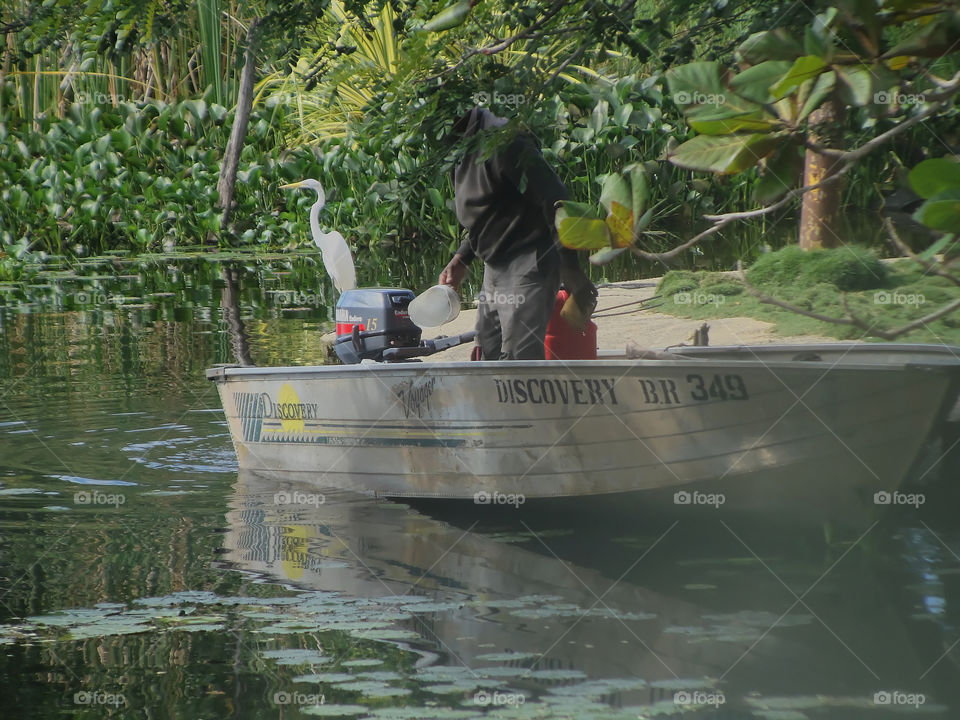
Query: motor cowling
x=371, y=320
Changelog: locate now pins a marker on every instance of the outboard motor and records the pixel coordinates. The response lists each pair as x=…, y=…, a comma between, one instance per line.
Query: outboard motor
x=372, y=320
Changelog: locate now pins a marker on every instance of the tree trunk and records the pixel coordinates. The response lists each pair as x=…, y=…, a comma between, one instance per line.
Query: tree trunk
x=820, y=212
x=231, y=156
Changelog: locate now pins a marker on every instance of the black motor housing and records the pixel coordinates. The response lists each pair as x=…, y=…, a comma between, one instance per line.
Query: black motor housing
x=371, y=320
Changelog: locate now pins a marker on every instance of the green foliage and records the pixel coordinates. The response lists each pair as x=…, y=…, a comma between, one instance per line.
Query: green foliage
x=937, y=181
x=616, y=226
x=846, y=268
x=906, y=294
x=856, y=55
x=139, y=176
x=720, y=284
x=678, y=281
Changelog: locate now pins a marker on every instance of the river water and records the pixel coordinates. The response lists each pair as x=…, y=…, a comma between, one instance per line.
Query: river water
x=143, y=576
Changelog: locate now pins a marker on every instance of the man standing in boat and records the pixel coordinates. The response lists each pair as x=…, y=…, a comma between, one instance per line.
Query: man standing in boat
x=507, y=203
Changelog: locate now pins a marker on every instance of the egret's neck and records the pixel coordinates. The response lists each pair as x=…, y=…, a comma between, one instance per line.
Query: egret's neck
x=315, y=219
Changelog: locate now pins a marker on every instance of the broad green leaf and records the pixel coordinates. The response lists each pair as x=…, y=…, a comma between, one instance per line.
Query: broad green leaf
x=581, y=227
x=780, y=174
x=899, y=62
x=856, y=85
x=620, y=225
x=934, y=176
x=804, y=68
x=941, y=212
x=436, y=198
x=605, y=255
x=643, y=222
x=696, y=83
x=946, y=245
x=754, y=83
x=448, y=18
x=779, y=44
x=725, y=122
x=815, y=43
x=724, y=154
x=822, y=87
x=936, y=38
x=615, y=190
x=598, y=118
x=639, y=190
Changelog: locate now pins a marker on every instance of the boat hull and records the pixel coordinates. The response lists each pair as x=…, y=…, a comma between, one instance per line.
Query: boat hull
x=751, y=423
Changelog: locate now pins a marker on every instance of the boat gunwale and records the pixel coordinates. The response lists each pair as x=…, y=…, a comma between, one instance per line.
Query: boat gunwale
x=942, y=357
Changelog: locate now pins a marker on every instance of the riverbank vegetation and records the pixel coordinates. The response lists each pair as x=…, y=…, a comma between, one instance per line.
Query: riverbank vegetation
x=847, y=293
x=114, y=121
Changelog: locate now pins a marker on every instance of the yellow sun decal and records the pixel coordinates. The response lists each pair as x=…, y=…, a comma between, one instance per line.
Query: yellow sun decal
x=290, y=409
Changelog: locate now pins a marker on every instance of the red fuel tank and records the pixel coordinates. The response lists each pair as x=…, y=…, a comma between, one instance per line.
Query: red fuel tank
x=565, y=343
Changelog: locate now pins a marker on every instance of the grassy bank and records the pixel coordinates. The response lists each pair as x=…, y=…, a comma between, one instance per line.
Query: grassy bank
x=889, y=294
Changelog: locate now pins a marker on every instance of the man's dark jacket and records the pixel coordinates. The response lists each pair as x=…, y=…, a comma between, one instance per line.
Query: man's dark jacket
x=503, y=221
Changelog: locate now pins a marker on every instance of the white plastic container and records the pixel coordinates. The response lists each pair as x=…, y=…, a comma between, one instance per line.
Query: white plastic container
x=435, y=306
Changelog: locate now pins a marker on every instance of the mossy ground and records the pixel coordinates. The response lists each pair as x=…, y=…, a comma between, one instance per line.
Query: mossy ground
x=889, y=294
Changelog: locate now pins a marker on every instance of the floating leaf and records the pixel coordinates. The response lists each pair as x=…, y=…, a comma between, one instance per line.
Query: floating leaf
x=333, y=710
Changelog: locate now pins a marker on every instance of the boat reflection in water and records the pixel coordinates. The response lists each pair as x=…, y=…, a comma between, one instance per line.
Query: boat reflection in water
x=761, y=620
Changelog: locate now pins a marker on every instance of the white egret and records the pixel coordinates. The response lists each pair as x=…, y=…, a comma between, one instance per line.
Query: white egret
x=333, y=248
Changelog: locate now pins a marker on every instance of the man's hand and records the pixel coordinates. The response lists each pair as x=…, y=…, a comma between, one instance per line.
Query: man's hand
x=577, y=283
x=453, y=273
x=583, y=297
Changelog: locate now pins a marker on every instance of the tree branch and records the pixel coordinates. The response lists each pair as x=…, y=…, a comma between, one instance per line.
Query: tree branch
x=502, y=45
x=848, y=157
x=932, y=267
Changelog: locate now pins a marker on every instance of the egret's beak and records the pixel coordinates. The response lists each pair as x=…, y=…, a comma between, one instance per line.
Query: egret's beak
x=292, y=185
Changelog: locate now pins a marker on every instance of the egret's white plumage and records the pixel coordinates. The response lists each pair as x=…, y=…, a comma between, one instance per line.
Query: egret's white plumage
x=333, y=248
